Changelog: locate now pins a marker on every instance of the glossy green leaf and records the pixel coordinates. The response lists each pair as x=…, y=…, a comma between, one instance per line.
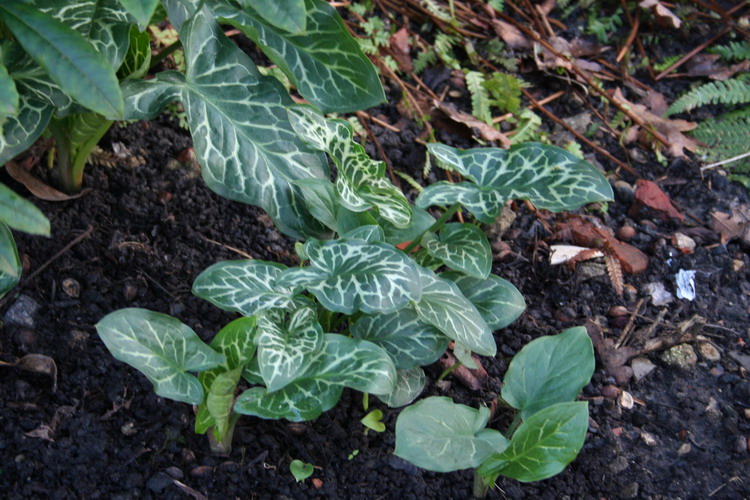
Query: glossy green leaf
x=245, y=286
x=463, y=355
x=240, y=127
x=324, y=62
x=142, y=10
x=300, y=470
x=497, y=300
x=70, y=60
x=220, y=400
x=549, y=370
x=409, y=385
x=463, y=247
x=321, y=199
x=408, y=340
x=550, y=177
x=353, y=275
x=138, y=57
x=10, y=264
x=439, y=435
x=543, y=445
x=19, y=213
x=9, y=99
x=444, y=306
x=287, y=347
x=373, y=421
x=368, y=233
x=420, y=221
x=343, y=362
x=21, y=131
x=361, y=182
x=288, y=15
x=162, y=348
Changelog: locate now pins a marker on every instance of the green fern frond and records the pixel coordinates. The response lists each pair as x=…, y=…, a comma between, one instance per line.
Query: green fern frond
x=527, y=127
x=732, y=91
x=423, y=60
x=444, y=50
x=505, y=91
x=498, y=5
x=724, y=138
x=733, y=51
x=436, y=10
x=480, y=98
x=666, y=62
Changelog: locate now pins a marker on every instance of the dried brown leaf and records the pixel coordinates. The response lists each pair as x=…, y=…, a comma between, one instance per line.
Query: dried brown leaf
x=661, y=12
x=399, y=45
x=615, y=273
x=473, y=379
x=511, y=35
x=734, y=225
x=649, y=194
x=485, y=131
x=37, y=187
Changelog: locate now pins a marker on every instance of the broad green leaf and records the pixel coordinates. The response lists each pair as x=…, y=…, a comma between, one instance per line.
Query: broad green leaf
x=21, y=214
x=241, y=132
x=288, y=15
x=463, y=355
x=300, y=470
x=543, y=445
x=180, y=11
x=321, y=199
x=69, y=59
x=324, y=62
x=9, y=99
x=349, y=221
x=10, y=264
x=497, y=300
x=421, y=220
x=20, y=132
x=162, y=348
x=343, y=362
x=444, y=306
x=138, y=57
x=361, y=181
x=408, y=340
x=409, y=385
x=369, y=234
x=550, y=177
x=245, y=286
x=142, y=10
x=353, y=275
x=287, y=347
x=463, y=247
x=104, y=23
x=439, y=435
x=220, y=399
x=549, y=370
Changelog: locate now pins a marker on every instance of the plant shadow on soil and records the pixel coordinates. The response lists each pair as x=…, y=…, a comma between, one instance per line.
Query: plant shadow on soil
x=111, y=437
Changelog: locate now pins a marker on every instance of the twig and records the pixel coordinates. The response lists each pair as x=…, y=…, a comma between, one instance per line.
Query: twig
x=378, y=121
x=724, y=162
x=233, y=249
x=542, y=102
x=630, y=39
x=382, y=154
x=690, y=55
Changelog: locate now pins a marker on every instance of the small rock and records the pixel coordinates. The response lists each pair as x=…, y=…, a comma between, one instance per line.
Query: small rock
x=630, y=491
x=175, y=472
x=712, y=409
x=626, y=400
x=624, y=191
x=129, y=292
x=159, y=482
x=626, y=233
x=682, y=356
x=747, y=413
x=128, y=428
x=684, y=449
x=71, y=288
x=610, y=391
x=741, y=446
x=648, y=438
x=709, y=352
x=619, y=464
x=737, y=265
x=22, y=312
x=201, y=471
x=659, y=295
x=317, y=483
x=683, y=243
x=716, y=371
x=443, y=385
x=742, y=391
x=641, y=367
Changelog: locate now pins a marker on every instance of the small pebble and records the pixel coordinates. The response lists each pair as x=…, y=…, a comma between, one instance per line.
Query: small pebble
x=626, y=233
x=71, y=288
x=626, y=400
x=129, y=292
x=610, y=391
x=22, y=312
x=175, y=472
x=709, y=352
x=741, y=446
x=641, y=367
x=684, y=449
x=648, y=438
x=129, y=429
x=630, y=491
x=158, y=482
x=681, y=356
x=716, y=371
x=201, y=471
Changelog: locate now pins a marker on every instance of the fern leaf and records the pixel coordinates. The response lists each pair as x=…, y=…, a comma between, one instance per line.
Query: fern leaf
x=527, y=127
x=436, y=10
x=444, y=50
x=423, y=60
x=724, y=138
x=480, y=99
x=732, y=91
x=733, y=51
x=505, y=91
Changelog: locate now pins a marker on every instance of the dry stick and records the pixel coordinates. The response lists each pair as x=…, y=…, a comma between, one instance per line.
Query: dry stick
x=588, y=80
x=724, y=162
x=579, y=136
x=233, y=249
x=725, y=15
x=383, y=156
x=542, y=102
x=535, y=16
x=630, y=39
x=378, y=121
x=691, y=54
x=518, y=11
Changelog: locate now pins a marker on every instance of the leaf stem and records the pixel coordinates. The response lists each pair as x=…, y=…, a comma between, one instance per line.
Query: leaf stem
x=366, y=401
x=437, y=225
x=168, y=51
x=448, y=370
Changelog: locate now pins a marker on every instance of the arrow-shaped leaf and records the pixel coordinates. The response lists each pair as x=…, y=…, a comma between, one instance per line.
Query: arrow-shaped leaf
x=463, y=247
x=550, y=177
x=497, y=300
x=19, y=213
x=409, y=385
x=142, y=10
x=287, y=15
x=162, y=348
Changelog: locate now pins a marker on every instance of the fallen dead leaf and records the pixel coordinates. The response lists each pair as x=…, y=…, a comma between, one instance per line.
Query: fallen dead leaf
x=485, y=131
x=37, y=363
x=648, y=194
x=511, y=35
x=473, y=379
x=614, y=359
x=710, y=65
x=42, y=432
x=399, y=45
x=734, y=225
x=189, y=491
x=37, y=187
x=661, y=12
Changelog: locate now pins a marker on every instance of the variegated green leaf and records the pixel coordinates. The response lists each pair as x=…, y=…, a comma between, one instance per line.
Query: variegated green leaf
x=444, y=306
x=162, y=348
x=9, y=98
x=497, y=300
x=409, y=385
x=142, y=10
x=353, y=275
x=138, y=57
x=463, y=247
x=368, y=233
x=550, y=177
x=220, y=400
x=10, y=264
x=68, y=58
x=321, y=199
x=288, y=15
x=408, y=340
x=104, y=23
x=343, y=362
x=549, y=370
x=287, y=347
x=438, y=435
x=361, y=181
x=20, y=214
x=21, y=131
x=324, y=62
x=238, y=120
x=543, y=445
x=463, y=355
x=421, y=220
x=245, y=286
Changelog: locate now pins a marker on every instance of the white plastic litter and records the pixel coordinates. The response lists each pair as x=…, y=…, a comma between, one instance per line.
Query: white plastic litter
x=685, y=284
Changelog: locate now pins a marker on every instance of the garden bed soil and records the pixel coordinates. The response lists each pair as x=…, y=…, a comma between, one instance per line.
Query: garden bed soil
x=150, y=227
